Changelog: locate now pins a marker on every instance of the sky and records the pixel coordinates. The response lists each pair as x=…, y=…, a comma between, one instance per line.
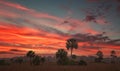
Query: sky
x=44, y=26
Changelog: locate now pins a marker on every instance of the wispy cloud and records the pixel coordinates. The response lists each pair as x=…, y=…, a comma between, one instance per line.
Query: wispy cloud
x=23, y=29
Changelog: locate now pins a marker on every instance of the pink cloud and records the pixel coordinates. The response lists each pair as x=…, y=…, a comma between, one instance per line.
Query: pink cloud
x=15, y=5
x=29, y=35
x=101, y=21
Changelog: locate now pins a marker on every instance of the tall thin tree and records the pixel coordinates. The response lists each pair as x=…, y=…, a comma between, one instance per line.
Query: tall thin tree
x=71, y=44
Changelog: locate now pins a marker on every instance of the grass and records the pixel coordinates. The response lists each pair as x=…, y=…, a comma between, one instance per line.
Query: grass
x=55, y=67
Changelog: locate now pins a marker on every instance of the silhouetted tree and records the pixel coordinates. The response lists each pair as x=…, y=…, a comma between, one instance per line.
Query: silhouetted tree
x=36, y=60
x=100, y=56
x=30, y=54
x=43, y=60
x=71, y=44
x=113, y=55
x=61, y=56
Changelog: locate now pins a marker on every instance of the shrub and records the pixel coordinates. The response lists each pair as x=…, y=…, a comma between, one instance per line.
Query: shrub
x=63, y=61
x=43, y=60
x=36, y=60
x=72, y=62
x=82, y=62
x=3, y=62
x=62, y=58
x=98, y=60
x=19, y=60
x=74, y=56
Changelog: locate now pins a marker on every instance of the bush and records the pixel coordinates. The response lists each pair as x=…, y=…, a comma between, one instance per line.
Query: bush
x=74, y=56
x=19, y=60
x=82, y=62
x=43, y=60
x=36, y=60
x=98, y=60
x=72, y=62
x=63, y=61
x=62, y=58
x=3, y=62
x=66, y=61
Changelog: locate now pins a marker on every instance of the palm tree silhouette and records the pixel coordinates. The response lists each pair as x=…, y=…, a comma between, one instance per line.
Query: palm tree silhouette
x=30, y=54
x=113, y=55
x=71, y=44
x=100, y=55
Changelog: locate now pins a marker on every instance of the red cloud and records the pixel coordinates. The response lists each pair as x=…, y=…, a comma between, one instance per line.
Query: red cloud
x=26, y=35
x=34, y=14
x=43, y=40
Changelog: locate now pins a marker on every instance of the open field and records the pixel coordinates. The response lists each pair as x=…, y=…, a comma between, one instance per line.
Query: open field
x=54, y=67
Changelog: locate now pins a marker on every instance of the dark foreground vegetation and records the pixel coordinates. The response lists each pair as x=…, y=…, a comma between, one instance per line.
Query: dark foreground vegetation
x=62, y=62
x=55, y=67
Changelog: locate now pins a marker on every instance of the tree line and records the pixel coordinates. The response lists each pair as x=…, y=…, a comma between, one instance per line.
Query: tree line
x=62, y=56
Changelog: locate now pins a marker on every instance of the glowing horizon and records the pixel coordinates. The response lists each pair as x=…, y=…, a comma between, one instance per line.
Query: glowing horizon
x=44, y=28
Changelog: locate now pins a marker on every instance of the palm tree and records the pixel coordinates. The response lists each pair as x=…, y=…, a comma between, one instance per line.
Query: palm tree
x=71, y=44
x=113, y=55
x=61, y=55
x=30, y=54
x=100, y=55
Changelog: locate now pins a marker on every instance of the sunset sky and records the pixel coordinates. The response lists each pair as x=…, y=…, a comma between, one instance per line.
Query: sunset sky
x=44, y=26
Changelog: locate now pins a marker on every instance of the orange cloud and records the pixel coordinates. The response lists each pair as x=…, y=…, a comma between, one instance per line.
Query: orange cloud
x=46, y=39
